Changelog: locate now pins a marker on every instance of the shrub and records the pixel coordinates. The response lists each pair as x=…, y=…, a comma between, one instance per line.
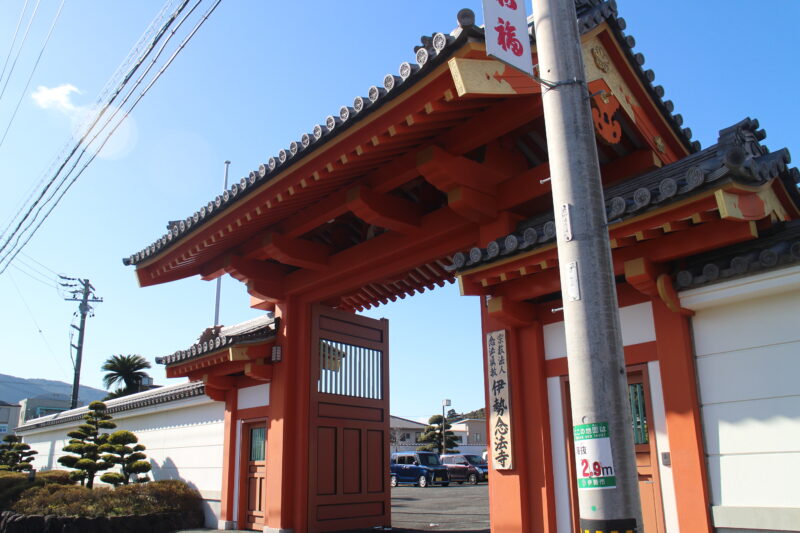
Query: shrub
x=12, y=484
x=135, y=499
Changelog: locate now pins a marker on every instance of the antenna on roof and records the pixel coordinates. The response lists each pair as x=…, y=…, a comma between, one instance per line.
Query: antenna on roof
x=219, y=279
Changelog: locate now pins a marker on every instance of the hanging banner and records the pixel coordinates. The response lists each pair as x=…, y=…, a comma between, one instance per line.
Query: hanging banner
x=499, y=400
x=506, y=26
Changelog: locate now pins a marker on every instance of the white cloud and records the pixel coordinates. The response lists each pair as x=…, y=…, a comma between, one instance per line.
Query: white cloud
x=81, y=117
x=57, y=98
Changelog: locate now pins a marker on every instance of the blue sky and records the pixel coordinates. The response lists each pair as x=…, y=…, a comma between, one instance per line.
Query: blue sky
x=256, y=77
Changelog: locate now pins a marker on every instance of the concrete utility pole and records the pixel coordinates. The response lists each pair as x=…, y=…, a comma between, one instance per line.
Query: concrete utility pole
x=219, y=279
x=86, y=293
x=608, y=491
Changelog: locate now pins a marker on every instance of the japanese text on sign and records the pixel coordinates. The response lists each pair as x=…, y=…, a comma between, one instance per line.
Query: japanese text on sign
x=499, y=400
x=507, y=33
x=594, y=465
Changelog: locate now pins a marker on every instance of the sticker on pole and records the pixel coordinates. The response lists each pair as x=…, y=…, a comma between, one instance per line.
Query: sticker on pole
x=594, y=464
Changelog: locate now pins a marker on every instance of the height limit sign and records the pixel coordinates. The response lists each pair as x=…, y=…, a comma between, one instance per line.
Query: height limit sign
x=594, y=464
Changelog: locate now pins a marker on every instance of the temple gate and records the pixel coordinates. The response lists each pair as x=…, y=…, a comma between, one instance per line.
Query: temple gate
x=440, y=173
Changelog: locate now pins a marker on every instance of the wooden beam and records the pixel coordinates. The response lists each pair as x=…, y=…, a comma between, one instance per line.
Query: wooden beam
x=387, y=256
x=477, y=78
x=219, y=382
x=288, y=250
x=312, y=217
x=472, y=205
x=511, y=313
x=495, y=122
x=391, y=176
x=383, y=210
x=446, y=171
x=259, y=372
x=271, y=290
x=240, y=268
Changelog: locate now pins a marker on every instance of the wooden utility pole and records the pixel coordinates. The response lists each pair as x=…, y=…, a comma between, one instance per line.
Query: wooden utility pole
x=608, y=491
x=87, y=296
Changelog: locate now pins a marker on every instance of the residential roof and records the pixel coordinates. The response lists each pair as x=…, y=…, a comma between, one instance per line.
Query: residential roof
x=258, y=329
x=396, y=421
x=738, y=156
x=435, y=49
x=161, y=395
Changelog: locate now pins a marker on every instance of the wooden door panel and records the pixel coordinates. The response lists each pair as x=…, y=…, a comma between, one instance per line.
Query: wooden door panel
x=326, y=461
x=253, y=476
x=376, y=473
x=349, y=416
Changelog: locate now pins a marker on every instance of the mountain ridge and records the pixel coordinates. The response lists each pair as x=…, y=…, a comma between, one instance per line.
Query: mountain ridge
x=13, y=389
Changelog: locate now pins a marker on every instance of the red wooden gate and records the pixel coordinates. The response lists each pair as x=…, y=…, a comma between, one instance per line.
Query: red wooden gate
x=349, y=422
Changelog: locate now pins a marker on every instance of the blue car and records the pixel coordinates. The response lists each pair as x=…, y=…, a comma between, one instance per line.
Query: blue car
x=419, y=468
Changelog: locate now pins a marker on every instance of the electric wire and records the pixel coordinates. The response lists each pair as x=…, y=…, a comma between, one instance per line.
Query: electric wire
x=14, y=40
x=35, y=323
x=19, y=50
x=19, y=248
x=107, y=89
x=88, y=130
x=37, y=271
x=40, y=264
x=35, y=275
x=30, y=77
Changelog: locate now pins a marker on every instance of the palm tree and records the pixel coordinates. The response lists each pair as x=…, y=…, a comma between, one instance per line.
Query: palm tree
x=127, y=370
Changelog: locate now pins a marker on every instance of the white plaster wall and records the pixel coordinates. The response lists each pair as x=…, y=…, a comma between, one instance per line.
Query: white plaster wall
x=637, y=327
x=183, y=439
x=255, y=396
x=748, y=362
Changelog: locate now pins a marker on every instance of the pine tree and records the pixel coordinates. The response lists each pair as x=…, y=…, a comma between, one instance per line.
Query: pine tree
x=432, y=436
x=130, y=458
x=15, y=455
x=85, y=442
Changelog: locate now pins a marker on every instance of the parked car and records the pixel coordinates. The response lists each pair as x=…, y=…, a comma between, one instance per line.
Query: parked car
x=420, y=468
x=466, y=467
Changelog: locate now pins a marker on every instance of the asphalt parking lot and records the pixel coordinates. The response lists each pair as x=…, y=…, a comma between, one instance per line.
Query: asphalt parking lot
x=454, y=508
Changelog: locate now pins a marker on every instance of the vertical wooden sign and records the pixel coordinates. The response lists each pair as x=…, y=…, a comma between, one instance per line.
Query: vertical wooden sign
x=499, y=400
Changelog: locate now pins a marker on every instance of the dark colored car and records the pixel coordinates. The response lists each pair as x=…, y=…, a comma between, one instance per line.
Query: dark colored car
x=466, y=467
x=420, y=468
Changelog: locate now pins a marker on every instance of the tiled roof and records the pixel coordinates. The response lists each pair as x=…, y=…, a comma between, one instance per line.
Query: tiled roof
x=148, y=398
x=777, y=249
x=737, y=156
x=435, y=49
x=253, y=330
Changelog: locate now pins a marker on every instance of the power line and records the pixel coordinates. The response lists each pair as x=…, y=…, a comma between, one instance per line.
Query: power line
x=12, y=253
x=77, y=145
x=51, y=285
x=37, y=271
x=40, y=264
x=35, y=323
x=19, y=50
x=68, y=151
x=36, y=64
x=14, y=40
